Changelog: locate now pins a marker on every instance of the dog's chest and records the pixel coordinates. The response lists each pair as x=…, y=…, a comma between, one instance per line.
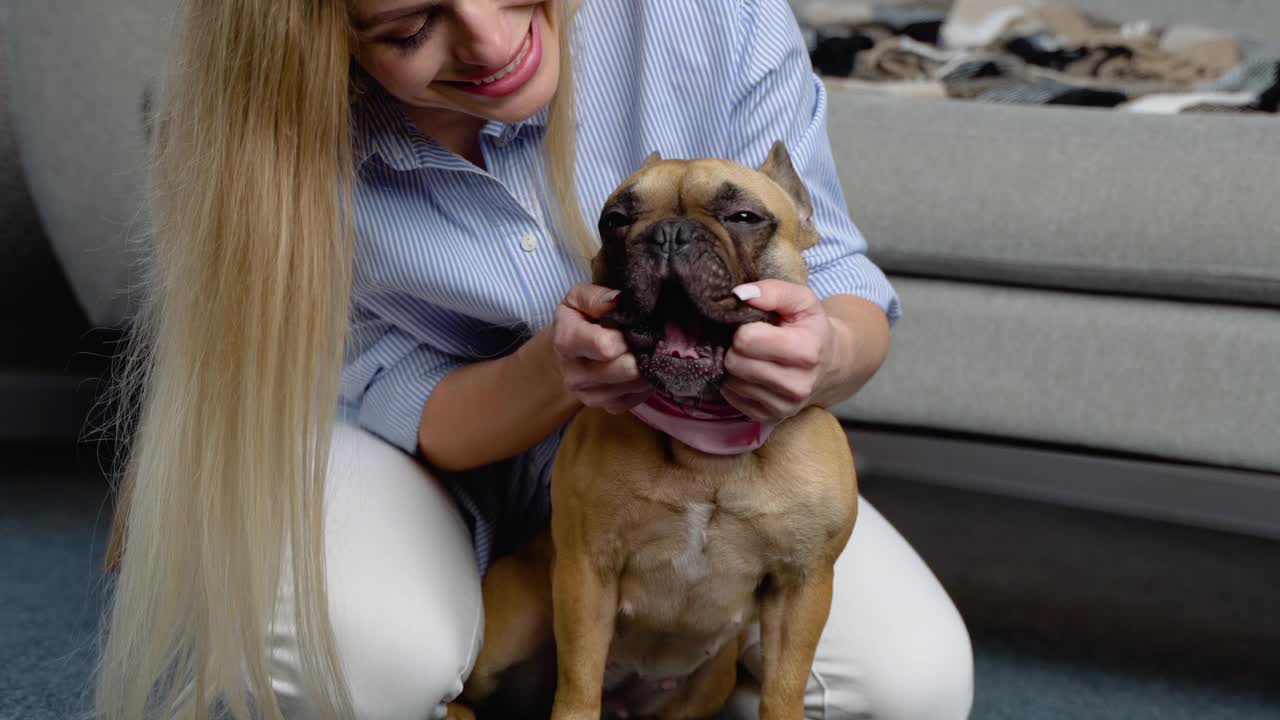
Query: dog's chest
x=724, y=538
x=679, y=549
x=699, y=563
x=690, y=561
x=690, y=584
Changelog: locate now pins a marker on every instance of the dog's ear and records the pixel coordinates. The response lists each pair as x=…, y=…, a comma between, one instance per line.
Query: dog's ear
x=778, y=168
x=654, y=157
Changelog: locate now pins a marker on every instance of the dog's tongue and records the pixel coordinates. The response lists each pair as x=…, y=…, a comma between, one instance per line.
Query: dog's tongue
x=678, y=340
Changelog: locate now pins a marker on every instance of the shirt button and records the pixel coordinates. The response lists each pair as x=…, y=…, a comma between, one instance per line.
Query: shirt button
x=528, y=243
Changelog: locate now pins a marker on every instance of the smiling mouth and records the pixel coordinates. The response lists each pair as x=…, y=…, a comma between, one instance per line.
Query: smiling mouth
x=507, y=79
x=509, y=67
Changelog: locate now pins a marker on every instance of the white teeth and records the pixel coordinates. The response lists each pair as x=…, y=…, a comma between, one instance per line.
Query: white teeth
x=524, y=50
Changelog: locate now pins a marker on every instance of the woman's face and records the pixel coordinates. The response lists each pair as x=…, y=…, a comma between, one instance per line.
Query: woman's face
x=494, y=59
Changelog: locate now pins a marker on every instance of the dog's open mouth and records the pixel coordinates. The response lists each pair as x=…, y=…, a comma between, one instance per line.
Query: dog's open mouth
x=679, y=349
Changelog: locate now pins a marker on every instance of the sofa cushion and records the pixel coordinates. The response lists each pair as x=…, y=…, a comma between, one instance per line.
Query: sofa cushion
x=38, y=312
x=1177, y=206
x=78, y=70
x=1183, y=381
x=20, y=230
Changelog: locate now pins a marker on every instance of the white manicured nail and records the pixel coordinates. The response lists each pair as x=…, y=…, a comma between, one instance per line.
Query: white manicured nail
x=746, y=292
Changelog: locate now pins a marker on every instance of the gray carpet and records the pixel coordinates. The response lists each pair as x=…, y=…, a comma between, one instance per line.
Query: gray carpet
x=52, y=530
x=1082, y=615
x=1074, y=615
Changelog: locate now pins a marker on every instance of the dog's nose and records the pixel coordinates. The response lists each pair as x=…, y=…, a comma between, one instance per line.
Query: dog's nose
x=672, y=237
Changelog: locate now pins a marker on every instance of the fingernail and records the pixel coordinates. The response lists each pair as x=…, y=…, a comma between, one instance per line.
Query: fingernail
x=746, y=292
x=612, y=295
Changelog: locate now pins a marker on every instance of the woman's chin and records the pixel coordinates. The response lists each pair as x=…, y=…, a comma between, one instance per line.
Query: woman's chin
x=511, y=112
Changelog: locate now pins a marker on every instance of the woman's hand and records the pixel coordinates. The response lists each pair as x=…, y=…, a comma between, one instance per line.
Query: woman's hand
x=594, y=362
x=775, y=371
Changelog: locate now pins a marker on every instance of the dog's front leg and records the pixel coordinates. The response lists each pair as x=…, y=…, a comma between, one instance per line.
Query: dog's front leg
x=585, y=602
x=792, y=617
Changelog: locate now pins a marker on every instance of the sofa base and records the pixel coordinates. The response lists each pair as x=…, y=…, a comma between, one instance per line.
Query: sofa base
x=1210, y=497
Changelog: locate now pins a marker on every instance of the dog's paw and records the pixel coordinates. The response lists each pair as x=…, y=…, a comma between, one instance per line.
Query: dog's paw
x=454, y=711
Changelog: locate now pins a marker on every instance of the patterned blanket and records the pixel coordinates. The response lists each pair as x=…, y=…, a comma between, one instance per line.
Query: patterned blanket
x=1038, y=52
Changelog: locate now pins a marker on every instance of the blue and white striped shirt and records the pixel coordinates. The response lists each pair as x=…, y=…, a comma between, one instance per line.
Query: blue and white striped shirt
x=454, y=264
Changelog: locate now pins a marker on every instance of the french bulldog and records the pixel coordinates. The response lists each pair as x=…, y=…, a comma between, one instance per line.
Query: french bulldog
x=679, y=524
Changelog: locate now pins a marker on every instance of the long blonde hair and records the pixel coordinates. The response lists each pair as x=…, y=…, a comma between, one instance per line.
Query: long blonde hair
x=228, y=387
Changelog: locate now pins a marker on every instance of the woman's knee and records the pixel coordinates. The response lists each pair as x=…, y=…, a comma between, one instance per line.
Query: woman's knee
x=929, y=677
x=927, y=674
x=923, y=673
x=403, y=587
x=400, y=658
x=401, y=661
x=895, y=646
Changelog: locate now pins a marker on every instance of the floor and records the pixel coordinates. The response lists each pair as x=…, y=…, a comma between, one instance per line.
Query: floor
x=1074, y=615
x=1083, y=615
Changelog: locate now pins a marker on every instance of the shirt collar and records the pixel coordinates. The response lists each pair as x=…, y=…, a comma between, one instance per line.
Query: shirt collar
x=381, y=127
x=506, y=132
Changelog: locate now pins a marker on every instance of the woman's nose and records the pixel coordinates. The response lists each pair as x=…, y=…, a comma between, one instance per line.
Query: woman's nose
x=484, y=34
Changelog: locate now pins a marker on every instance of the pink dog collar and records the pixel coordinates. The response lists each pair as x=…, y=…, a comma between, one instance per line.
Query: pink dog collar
x=714, y=429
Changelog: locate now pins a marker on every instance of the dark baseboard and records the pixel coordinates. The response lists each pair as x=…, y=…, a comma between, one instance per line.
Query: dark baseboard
x=59, y=402
x=36, y=408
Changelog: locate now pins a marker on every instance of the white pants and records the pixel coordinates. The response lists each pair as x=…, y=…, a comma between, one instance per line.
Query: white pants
x=404, y=597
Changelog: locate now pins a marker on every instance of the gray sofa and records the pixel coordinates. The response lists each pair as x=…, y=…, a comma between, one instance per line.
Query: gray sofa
x=1091, y=297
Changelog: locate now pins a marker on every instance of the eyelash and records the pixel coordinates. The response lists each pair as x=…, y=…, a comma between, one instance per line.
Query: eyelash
x=410, y=43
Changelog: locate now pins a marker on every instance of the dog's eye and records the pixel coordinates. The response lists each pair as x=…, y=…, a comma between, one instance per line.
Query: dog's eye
x=746, y=217
x=614, y=220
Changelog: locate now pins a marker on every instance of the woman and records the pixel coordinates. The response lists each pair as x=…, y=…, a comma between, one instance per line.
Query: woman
x=438, y=299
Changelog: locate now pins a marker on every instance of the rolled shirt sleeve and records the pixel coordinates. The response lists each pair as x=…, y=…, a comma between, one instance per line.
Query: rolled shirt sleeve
x=387, y=381
x=778, y=97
